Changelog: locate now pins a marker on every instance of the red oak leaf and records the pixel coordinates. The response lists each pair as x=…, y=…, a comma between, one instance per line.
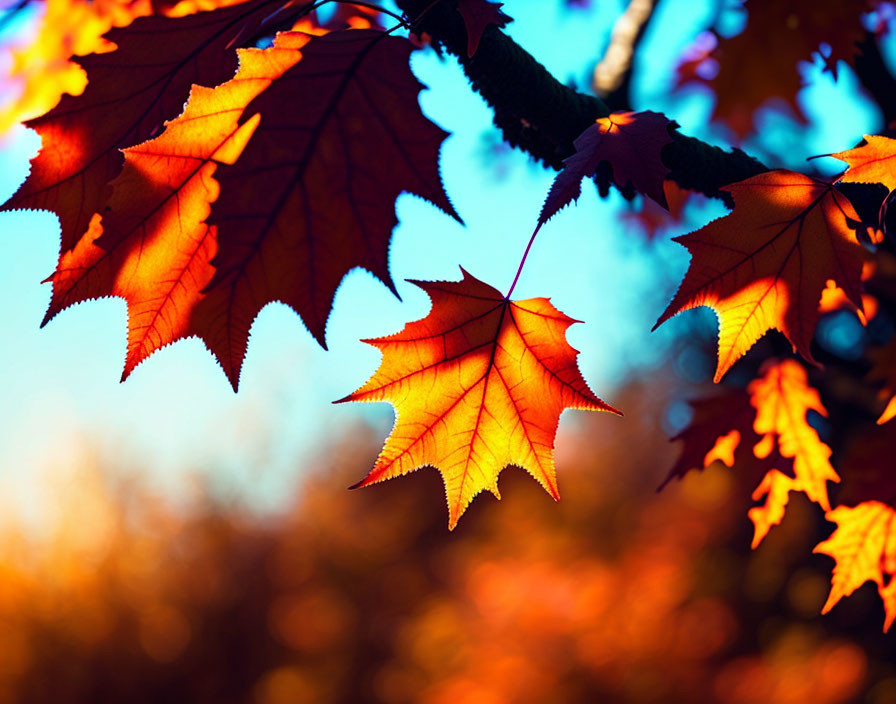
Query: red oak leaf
x=478, y=384
x=631, y=142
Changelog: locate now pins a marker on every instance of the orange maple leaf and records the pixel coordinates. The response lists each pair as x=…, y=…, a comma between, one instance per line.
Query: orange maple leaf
x=775, y=443
x=864, y=549
x=872, y=162
x=281, y=229
x=478, y=384
x=765, y=265
x=782, y=398
x=155, y=250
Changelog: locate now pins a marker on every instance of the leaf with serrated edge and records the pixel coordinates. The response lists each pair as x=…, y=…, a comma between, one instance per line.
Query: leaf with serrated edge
x=631, y=142
x=864, y=549
x=873, y=162
x=130, y=93
x=156, y=249
x=478, y=384
x=313, y=194
x=765, y=265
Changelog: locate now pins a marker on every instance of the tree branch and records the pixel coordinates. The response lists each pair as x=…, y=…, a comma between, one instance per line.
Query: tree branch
x=612, y=75
x=540, y=115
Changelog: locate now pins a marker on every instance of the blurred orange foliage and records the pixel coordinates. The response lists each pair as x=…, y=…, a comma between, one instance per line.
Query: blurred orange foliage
x=362, y=597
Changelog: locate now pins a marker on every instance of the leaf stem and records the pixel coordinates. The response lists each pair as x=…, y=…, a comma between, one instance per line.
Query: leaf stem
x=523, y=261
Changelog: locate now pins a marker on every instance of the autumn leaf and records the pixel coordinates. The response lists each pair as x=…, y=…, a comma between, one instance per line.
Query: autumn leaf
x=872, y=162
x=155, y=250
x=864, y=549
x=761, y=63
x=765, y=265
x=478, y=384
x=313, y=195
x=631, y=142
x=719, y=427
x=479, y=14
x=782, y=398
x=765, y=433
x=129, y=95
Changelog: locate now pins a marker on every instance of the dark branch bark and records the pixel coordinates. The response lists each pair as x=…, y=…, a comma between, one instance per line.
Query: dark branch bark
x=537, y=113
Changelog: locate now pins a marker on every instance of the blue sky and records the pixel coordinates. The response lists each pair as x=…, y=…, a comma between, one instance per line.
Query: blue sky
x=177, y=415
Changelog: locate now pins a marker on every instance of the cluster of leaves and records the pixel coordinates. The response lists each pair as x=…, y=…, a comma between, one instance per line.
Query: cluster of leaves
x=280, y=173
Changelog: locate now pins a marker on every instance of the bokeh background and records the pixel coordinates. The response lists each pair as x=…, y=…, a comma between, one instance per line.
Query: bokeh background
x=167, y=540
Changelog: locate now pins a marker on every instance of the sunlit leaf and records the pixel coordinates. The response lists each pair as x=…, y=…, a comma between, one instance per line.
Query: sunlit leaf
x=156, y=249
x=766, y=264
x=864, y=549
x=130, y=93
x=478, y=384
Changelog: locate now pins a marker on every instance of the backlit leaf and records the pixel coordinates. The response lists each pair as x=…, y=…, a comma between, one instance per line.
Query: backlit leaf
x=130, y=93
x=313, y=195
x=156, y=250
x=864, y=548
x=478, y=384
x=766, y=264
x=782, y=398
x=872, y=162
x=765, y=433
